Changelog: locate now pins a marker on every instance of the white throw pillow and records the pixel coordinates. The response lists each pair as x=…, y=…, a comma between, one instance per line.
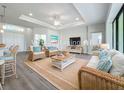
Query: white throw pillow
x=113, y=52
x=93, y=62
x=118, y=65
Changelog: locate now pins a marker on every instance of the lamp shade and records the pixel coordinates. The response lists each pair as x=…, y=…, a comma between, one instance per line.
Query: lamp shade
x=104, y=46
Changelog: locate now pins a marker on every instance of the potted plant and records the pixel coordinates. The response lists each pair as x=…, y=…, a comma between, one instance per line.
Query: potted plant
x=41, y=43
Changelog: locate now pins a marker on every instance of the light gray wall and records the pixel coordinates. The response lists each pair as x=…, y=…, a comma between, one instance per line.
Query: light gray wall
x=65, y=34
x=0, y=33
x=47, y=32
x=94, y=29
x=0, y=38
x=81, y=31
x=28, y=34
x=113, y=11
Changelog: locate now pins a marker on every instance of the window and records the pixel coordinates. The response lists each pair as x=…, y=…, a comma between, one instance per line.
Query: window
x=37, y=37
x=118, y=31
x=96, y=38
x=10, y=38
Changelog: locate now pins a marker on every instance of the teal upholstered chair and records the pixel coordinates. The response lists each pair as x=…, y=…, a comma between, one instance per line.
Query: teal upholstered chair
x=36, y=53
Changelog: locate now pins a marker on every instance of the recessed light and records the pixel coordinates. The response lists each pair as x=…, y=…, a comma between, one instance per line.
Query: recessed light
x=4, y=27
x=77, y=19
x=2, y=31
x=56, y=23
x=30, y=14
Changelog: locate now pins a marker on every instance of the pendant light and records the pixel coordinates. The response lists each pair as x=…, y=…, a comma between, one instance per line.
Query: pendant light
x=2, y=16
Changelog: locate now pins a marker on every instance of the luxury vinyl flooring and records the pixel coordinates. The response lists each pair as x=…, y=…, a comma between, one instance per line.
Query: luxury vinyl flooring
x=28, y=79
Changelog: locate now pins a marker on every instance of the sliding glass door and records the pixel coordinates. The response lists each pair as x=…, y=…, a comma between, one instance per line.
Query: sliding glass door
x=118, y=31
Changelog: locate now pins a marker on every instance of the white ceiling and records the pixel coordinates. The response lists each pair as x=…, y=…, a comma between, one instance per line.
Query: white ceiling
x=44, y=12
x=93, y=13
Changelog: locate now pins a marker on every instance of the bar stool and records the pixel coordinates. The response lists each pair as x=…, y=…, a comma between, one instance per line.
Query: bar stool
x=1, y=88
x=10, y=63
x=2, y=66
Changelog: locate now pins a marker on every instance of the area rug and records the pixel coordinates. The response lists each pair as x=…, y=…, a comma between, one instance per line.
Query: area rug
x=65, y=80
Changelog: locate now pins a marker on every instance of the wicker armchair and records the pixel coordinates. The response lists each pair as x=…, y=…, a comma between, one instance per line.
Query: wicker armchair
x=90, y=78
x=35, y=55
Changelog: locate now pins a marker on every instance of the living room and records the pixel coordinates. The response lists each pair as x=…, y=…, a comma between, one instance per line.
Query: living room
x=58, y=46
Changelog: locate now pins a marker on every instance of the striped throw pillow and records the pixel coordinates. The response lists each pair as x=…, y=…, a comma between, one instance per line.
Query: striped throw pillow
x=105, y=65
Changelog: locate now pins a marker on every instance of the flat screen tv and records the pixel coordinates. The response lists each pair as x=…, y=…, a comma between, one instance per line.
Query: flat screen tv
x=75, y=41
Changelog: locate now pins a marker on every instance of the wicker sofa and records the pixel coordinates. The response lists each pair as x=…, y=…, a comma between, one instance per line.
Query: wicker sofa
x=91, y=78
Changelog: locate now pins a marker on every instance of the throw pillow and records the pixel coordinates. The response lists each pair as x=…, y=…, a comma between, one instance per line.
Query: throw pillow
x=93, y=62
x=36, y=49
x=113, y=52
x=118, y=65
x=105, y=65
x=102, y=54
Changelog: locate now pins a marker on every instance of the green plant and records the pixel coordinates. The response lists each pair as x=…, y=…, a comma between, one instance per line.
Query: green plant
x=41, y=42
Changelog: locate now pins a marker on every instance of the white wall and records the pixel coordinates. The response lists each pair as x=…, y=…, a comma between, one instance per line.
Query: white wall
x=114, y=9
x=65, y=34
x=81, y=31
x=27, y=36
x=0, y=34
x=93, y=29
x=47, y=32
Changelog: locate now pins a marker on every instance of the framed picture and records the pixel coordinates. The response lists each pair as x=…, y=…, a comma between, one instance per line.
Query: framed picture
x=54, y=38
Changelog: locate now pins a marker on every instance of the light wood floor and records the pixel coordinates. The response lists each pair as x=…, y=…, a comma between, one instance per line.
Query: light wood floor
x=28, y=79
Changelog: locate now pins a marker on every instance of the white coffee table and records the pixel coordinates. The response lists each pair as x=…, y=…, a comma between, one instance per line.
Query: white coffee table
x=61, y=62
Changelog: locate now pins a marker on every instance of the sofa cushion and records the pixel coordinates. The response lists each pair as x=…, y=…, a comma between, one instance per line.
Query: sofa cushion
x=37, y=53
x=93, y=62
x=36, y=49
x=105, y=65
x=118, y=65
x=7, y=58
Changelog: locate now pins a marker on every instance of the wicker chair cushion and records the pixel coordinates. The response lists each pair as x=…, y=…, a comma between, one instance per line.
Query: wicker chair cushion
x=7, y=58
x=37, y=49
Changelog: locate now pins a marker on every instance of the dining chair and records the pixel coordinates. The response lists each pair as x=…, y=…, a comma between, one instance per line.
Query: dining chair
x=10, y=62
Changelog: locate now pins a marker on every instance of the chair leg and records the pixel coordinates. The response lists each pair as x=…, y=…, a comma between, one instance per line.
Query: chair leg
x=3, y=73
x=14, y=70
x=1, y=88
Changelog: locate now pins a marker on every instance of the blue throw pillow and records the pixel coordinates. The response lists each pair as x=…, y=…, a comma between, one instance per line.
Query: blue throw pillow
x=52, y=48
x=105, y=65
x=103, y=54
x=37, y=49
